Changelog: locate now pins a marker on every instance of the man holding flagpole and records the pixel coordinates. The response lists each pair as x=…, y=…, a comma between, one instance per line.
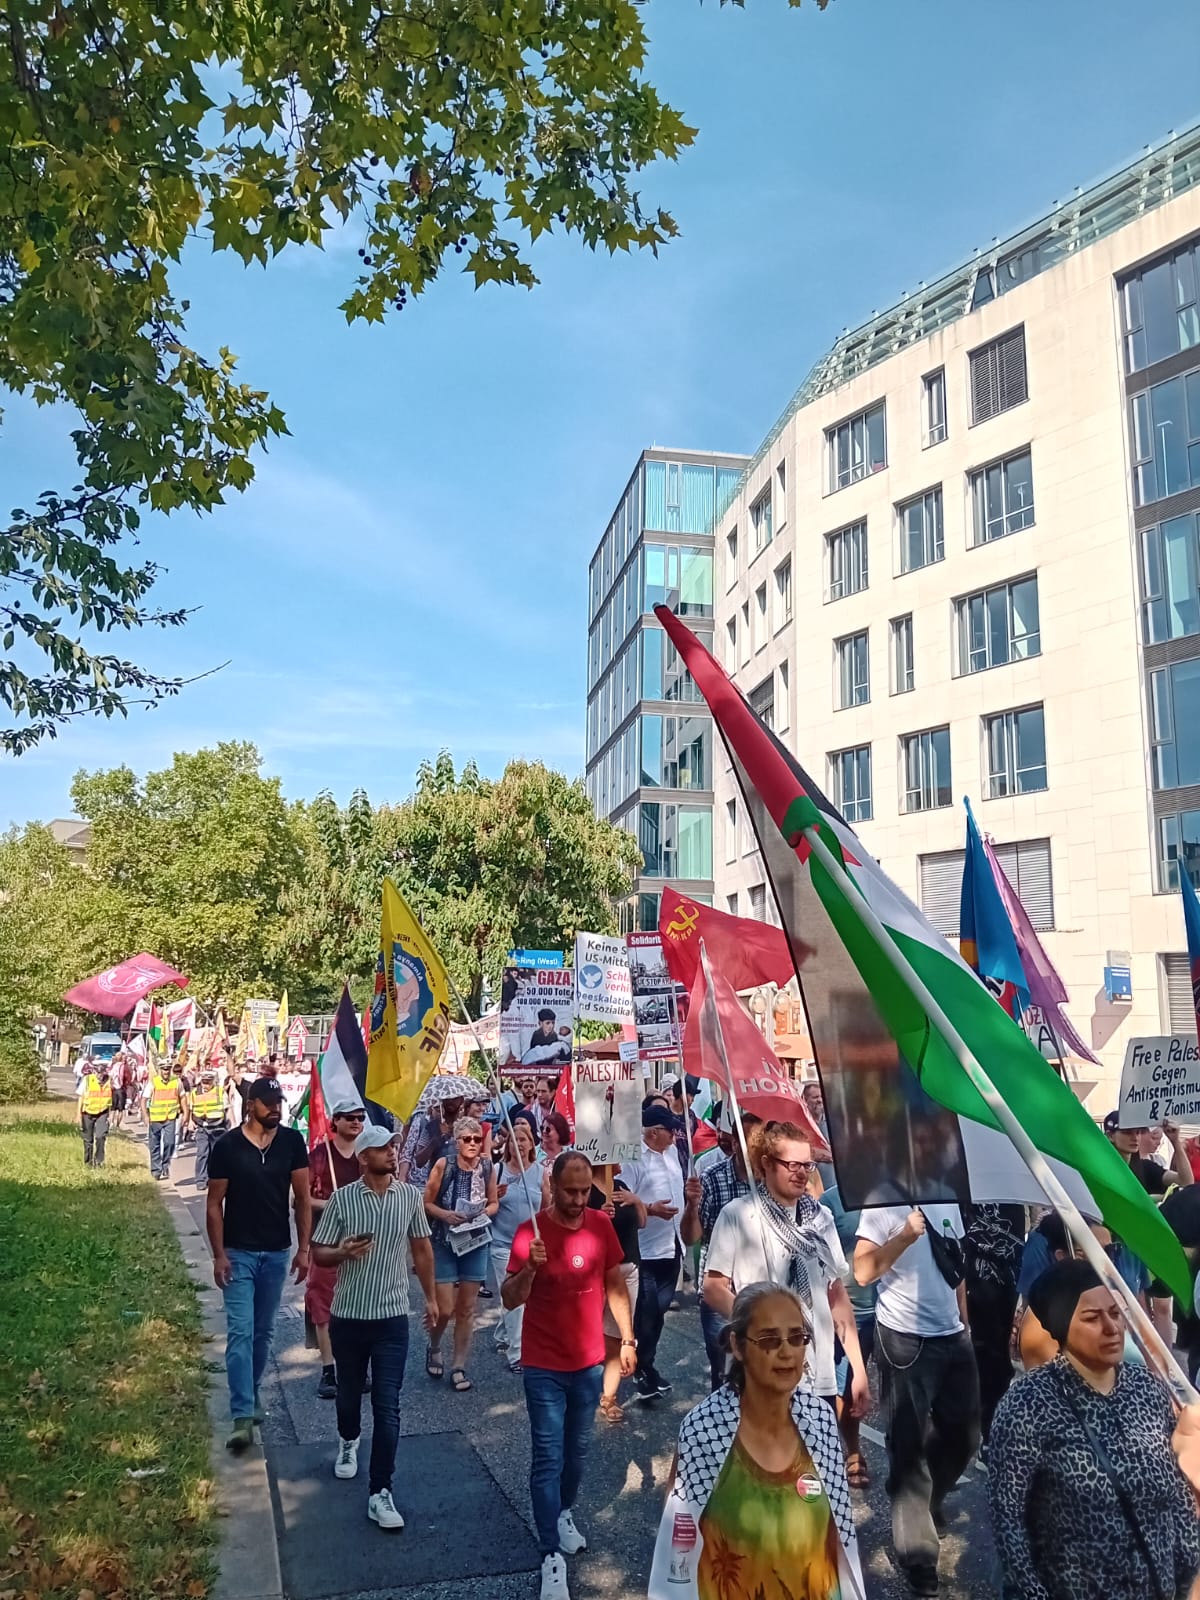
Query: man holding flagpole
x=332, y=1164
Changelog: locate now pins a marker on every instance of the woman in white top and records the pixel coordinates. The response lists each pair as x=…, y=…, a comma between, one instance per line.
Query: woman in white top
x=520, y=1197
x=784, y=1236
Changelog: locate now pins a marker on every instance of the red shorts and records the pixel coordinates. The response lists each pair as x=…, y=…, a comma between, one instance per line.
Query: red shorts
x=318, y=1293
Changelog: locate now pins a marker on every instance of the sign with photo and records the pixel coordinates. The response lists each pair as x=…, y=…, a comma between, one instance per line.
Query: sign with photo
x=1160, y=1081
x=537, y=1017
x=659, y=1003
x=608, y=1109
x=603, y=991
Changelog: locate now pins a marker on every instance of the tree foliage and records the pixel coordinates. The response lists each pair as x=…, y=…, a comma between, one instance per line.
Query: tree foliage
x=39, y=930
x=446, y=131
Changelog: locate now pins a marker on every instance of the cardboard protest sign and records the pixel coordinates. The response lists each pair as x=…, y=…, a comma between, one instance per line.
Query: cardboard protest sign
x=1160, y=1081
x=603, y=990
x=659, y=1003
x=608, y=1109
x=537, y=1017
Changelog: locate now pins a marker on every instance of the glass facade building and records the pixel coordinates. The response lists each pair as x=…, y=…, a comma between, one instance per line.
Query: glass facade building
x=649, y=736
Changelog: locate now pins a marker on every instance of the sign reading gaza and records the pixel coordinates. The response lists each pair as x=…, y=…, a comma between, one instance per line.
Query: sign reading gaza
x=1160, y=1081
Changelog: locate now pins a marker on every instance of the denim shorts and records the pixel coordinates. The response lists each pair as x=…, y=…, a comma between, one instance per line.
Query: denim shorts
x=469, y=1268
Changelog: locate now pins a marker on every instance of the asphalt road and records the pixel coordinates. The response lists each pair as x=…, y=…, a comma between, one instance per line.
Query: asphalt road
x=462, y=1482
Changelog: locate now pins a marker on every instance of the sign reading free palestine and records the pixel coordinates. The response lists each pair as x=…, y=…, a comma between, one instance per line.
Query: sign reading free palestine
x=1160, y=1081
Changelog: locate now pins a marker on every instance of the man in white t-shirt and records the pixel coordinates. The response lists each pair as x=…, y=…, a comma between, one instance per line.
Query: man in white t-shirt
x=657, y=1180
x=929, y=1380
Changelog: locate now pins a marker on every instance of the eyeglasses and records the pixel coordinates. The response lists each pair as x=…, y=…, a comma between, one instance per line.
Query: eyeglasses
x=796, y=1169
x=768, y=1343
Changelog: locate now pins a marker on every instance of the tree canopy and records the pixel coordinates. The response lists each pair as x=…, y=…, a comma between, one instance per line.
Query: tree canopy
x=448, y=132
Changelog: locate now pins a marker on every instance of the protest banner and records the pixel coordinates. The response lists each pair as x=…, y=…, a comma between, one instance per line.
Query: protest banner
x=659, y=1003
x=608, y=1109
x=603, y=990
x=1160, y=1081
x=537, y=1017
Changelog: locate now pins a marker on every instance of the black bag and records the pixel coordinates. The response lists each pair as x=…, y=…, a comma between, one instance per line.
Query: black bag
x=947, y=1254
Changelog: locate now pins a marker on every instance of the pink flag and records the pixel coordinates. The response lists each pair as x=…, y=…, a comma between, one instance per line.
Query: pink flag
x=115, y=992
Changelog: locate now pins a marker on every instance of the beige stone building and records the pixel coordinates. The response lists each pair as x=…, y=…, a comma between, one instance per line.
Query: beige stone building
x=966, y=561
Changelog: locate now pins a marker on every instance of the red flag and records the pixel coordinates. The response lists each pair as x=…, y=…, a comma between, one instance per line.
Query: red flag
x=742, y=950
x=763, y=1087
x=318, y=1121
x=115, y=991
x=564, y=1099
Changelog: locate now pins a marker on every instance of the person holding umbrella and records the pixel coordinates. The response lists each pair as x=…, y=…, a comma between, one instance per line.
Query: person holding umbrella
x=461, y=1198
x=430, y=1134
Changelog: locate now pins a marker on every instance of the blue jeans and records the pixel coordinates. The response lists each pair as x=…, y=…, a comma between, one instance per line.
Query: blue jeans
x=162, y=1147
x=205, y=1139
x=383, y=1342
x=252, y=1298
x=713, y=1325
x=562, y=1408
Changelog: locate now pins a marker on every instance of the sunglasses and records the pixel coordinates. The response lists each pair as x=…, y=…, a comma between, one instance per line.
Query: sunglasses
x=470, y=1138
x=351, y=1116
x=768, y=1343
x=796, y=1169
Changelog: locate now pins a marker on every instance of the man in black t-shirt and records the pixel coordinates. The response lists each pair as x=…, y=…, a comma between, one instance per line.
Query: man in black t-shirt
x=1152, y=1177
x=254, y=1172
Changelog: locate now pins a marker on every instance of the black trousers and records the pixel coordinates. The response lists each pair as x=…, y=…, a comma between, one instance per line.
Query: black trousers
x=929, y=1391
x=95, y=1132
x=381, y=1343
x=656, y=1286
x=990, y=1308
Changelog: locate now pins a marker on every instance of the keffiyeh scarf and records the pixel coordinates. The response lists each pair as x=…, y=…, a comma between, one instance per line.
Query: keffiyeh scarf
x=799, y=1235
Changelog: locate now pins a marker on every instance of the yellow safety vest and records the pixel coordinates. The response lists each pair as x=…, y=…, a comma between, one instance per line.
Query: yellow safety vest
x=164, y=1099
x=208, y=1105
x=97, y=1096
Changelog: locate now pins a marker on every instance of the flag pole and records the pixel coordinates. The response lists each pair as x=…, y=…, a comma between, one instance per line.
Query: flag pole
x=1143, y=1330
x=495, y=1079
x=714, y=1018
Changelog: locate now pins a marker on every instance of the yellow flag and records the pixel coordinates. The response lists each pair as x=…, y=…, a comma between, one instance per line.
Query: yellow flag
x=281, y=1022
x=410, y=1012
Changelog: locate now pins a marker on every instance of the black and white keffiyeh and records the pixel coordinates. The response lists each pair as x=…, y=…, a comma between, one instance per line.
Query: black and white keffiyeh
x=798, y=1233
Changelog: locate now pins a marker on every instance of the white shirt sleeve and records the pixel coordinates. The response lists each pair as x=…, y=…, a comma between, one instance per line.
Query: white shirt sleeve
x=877, y=1224
x=722, y=1247
x=836, y=1254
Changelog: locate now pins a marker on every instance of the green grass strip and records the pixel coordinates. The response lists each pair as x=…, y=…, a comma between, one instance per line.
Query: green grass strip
x=104, y=1433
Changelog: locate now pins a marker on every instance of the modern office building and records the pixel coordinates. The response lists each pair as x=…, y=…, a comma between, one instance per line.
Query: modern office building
x=649, y=738
x=966, y=561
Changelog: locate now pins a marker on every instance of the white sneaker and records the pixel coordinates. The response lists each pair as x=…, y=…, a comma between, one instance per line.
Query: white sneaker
x=346, y=1465
x=381, y=1509
x=570, y=1540
x=554, y=1578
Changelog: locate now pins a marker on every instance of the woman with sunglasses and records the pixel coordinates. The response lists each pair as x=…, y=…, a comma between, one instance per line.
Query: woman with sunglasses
x=461, y=1198
x=332, y=1164
x=759, y=1473
x=782, y=1235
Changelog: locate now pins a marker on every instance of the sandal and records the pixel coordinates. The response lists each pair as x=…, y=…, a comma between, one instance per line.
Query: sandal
x=610, y=1410
x=459, y=1380
x=433, y=1362
x=857, y=1475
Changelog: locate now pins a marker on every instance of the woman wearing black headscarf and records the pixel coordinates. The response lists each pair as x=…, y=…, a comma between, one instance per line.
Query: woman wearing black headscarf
x=1087, y=1500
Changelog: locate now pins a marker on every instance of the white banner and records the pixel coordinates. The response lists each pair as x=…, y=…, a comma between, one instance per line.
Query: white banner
x=603, y=992
x=537, y=1017
x=608, y=1109
x=1160, y=1081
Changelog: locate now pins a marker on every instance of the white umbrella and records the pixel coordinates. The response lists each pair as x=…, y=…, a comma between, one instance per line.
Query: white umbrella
x=450, y=1086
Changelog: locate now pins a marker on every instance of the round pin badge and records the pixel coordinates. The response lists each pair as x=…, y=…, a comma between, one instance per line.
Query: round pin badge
x=808, y=1486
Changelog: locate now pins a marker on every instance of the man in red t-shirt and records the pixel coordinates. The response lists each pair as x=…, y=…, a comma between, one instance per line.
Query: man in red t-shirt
x=564, y=1279
x=330, y=1166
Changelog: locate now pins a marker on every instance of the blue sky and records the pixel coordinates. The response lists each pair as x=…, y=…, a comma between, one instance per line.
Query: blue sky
x=409, y=569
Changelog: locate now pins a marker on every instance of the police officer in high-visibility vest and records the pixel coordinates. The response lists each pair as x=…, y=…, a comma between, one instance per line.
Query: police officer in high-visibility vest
x=164, y=1101
x=95, y=1103
x=208, y=1115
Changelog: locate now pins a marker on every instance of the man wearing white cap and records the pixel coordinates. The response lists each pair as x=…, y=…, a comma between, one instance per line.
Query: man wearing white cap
x=366, y=1231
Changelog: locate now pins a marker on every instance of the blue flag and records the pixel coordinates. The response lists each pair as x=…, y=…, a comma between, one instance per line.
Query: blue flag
x=986, y=940
x=1191, y=918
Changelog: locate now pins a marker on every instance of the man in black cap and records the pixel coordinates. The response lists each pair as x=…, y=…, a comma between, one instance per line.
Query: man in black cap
x=253, y=1173
x=1153, y=1178
x=657, y=1180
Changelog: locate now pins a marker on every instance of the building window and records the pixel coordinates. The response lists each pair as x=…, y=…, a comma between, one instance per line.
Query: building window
x=683, y=497
x=731, y=545
x=731, y=825
x=1159, y=308
x=1002, y=498
x=783, y=592
x=1175, y=725
x=762, y=702
x=1165, y=424
x=922, y=541
x=679, y=577
x=857, y=447
x=1176, y=989
x=933, y=407
x=760, y=616
x=903, y=674
x=745, y=631
x=781, y=492
x=731, y=904
x=998, y=377
x=846, y=561
x=1026, y=865
x=1016, y=752
x=731, y=636
x=760, y=520
x=784, y=697
x=850, y=781
x=1179, y=841
x=1170, y=580
x=853, y=671
x=926, y=769
x=758, y=902
x=998, y=625
x=687, y=753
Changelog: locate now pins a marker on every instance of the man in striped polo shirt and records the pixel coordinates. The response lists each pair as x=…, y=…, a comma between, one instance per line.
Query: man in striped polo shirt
x=367, y=1230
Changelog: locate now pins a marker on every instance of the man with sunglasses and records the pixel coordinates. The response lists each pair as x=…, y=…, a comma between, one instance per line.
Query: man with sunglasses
x=330, y=1167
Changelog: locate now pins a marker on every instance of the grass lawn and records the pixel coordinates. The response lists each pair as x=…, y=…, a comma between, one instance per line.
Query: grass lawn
x=104, y=1486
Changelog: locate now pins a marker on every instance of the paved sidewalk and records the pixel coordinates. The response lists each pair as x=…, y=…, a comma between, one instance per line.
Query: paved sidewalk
x=462, y=1481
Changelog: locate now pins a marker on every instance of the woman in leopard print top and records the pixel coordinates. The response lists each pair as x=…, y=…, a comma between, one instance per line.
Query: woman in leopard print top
x=1061, y=1529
